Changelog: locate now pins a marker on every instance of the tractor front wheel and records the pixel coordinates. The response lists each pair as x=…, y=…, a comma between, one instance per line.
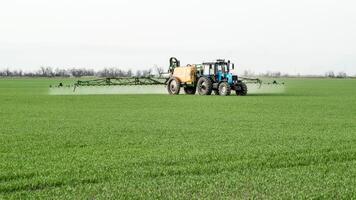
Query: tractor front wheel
x=205, y=86
x=173, y=86
x=190, y=90
x=241, y=89
x=224, y=89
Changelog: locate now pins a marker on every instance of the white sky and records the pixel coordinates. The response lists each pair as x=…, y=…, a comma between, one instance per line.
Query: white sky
x=294, y=36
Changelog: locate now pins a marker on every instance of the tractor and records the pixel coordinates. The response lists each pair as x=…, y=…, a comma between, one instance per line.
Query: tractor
x=218, y=77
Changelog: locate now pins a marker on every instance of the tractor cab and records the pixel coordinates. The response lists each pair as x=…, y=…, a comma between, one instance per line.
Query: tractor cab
x=220, y=71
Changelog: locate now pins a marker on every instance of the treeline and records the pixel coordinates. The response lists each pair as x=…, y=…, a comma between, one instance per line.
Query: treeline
x=116, y=72
x=80, y=72
x=329, y=74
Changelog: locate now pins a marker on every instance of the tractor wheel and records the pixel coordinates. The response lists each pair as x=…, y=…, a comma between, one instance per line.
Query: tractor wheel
x=216, y=92
x=205, y=86
x=173, y=86
x=241, y=89
x=224, y=89
x=190, y=90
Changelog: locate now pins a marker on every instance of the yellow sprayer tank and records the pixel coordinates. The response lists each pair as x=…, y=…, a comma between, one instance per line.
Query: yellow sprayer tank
x=186, y=74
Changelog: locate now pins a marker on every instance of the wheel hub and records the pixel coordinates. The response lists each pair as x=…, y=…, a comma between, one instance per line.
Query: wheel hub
x=173, y=86
x=223, y=90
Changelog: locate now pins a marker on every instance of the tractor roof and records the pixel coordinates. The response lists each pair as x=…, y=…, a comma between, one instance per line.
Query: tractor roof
x=218, y=61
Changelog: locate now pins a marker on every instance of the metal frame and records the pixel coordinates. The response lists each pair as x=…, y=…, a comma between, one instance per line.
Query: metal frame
x=122, y=81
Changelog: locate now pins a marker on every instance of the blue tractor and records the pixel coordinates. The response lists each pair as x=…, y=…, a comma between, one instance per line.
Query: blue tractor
x=219, y=77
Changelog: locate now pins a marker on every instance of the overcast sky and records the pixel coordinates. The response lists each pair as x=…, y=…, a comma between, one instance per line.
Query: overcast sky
x=294, y=36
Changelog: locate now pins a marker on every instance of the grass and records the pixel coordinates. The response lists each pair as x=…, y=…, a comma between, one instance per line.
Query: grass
x=300, y=144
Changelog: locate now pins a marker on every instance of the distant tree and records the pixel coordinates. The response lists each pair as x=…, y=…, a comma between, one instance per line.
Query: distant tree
x=129, y=73
x=147, y=72
x=138, y=73
x=103, y=73
x=29, y=74
x=4, y=72
x=81, y=72
x=46, y=72
x=121, y=73
x=8, y=72
x=112, y=72
x=20, y=72
x=330, y=74
x=42, y=71
x=61, y=72
x=341, y=75
x=276, y=74
x=158, y=70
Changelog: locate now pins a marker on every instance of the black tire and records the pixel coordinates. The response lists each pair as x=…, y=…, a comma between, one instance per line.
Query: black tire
x=173, y=86
x=190, y=90
x=241, y=89
x=224, y=89
x=204, y=86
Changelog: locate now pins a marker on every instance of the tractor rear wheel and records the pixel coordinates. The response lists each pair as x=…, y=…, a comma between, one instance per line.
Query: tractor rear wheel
x=173, y=86
x=224, y=89
x=190, y=90
x=204, y=86
x=241, y=89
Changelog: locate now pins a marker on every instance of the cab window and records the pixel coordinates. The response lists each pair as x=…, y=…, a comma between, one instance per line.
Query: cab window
x=206, y=69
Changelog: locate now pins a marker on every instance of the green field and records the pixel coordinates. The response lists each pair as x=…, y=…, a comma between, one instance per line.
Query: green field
x=299, y=144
